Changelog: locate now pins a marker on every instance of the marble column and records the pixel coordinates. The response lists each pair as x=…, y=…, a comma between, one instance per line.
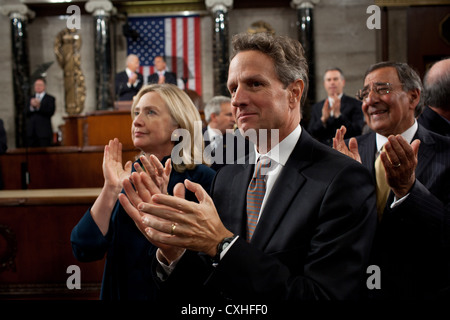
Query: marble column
x=305, y=32
x=219, y=9
x=19, y=15
x=104, y=77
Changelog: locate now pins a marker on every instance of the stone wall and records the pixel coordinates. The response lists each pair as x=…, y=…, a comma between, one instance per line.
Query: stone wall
x=340, y=34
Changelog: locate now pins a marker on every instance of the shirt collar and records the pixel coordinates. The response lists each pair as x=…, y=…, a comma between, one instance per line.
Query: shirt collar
x=282, y=151
x=213, y=132
x=129, y=72
x=408, y=135
x=331, y=101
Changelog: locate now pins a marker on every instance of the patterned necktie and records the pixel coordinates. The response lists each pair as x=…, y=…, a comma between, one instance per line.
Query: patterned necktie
x=383, y=188
x=255, y=195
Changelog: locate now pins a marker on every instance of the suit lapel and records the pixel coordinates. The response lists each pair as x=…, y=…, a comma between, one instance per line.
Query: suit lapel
x=425, y=150
x=288, y=184
x=238, y=203
x=367, y=150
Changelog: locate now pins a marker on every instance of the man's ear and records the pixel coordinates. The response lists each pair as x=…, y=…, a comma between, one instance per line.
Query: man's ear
x=296, y=91
x=414, y=97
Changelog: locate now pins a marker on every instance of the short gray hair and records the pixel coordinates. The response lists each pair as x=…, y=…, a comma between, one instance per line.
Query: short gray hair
x=214, y=106
x=409, y=78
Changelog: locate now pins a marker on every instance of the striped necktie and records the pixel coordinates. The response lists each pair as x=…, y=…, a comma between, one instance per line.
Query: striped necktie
x=383, y=188
x=255, y=195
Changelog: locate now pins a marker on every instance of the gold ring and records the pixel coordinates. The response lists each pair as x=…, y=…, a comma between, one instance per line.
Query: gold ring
x=172, y=229
x=397, y=165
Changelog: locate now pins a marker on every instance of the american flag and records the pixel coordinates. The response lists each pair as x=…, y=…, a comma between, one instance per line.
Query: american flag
x=177, y=38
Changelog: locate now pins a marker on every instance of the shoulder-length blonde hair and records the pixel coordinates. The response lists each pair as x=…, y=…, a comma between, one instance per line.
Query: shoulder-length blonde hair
x=184, y=114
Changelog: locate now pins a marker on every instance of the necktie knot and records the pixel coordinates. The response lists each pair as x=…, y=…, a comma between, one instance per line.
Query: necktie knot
x=262, y=167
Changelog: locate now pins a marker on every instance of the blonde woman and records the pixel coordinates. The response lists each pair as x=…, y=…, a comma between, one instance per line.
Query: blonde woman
x=159, y=112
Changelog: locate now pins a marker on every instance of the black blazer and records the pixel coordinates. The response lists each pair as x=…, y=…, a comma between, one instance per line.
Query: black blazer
x=123, y=92
x=412, y=240
x=170, y=78
x=434, y=122
x=313, y=238
x=39, y=125
x=351, y=117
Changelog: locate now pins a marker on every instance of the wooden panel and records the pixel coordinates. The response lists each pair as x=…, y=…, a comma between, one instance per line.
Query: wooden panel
x=103, y=126
x=35, y=248
x=56, y=167
x=97, y=128
x=425, y=50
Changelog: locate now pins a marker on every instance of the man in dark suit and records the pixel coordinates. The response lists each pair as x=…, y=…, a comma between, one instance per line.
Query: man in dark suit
x=411, y=245
x=130, y=81
x=335, y=111
x=219, y=129
x=161, y=75
x=39, y=113
x=436, y=114
x=315, y=228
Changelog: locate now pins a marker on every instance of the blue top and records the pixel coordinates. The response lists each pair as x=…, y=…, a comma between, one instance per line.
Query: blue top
x=129, y=254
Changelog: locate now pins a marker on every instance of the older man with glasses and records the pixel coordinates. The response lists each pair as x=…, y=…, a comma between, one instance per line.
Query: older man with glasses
x=411, y=166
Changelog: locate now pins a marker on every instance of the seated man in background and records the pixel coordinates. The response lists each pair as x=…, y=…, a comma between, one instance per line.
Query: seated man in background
x=129, y=81
x=162, y=75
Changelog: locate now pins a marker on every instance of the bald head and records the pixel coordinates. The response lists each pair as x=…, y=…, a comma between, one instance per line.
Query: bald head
x=437, y=85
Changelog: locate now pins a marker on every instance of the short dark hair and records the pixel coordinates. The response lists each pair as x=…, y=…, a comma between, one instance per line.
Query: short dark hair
x=40, y=78
x=409, y=78
x=334, y=69
x=287, y=54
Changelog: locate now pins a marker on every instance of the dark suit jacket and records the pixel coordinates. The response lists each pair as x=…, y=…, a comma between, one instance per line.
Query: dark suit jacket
x=351, y=117
x=313, y=238
x=170, y=78
x=39, y=125
x=434, y=122
x=411, y=245
x=123, y=92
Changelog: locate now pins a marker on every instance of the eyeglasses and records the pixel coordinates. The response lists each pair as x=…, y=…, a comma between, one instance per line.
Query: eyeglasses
x=380, y=88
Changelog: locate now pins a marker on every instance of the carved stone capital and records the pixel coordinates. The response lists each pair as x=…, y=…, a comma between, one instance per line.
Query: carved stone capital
x=17, y=11
x=300, y=4
x=215, y=5
x=100, y=7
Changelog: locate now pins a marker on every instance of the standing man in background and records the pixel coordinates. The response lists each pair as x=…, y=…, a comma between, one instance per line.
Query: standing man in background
x=220, y=119
x=39, y=113
x=161, y=75
x=335, y=111
x=129, y=81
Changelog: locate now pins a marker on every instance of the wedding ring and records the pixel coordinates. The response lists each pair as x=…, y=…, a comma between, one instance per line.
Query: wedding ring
x=172, y=229
x=397, y=165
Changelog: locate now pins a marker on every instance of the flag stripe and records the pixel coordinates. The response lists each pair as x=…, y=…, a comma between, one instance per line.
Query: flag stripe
x=197, y=50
